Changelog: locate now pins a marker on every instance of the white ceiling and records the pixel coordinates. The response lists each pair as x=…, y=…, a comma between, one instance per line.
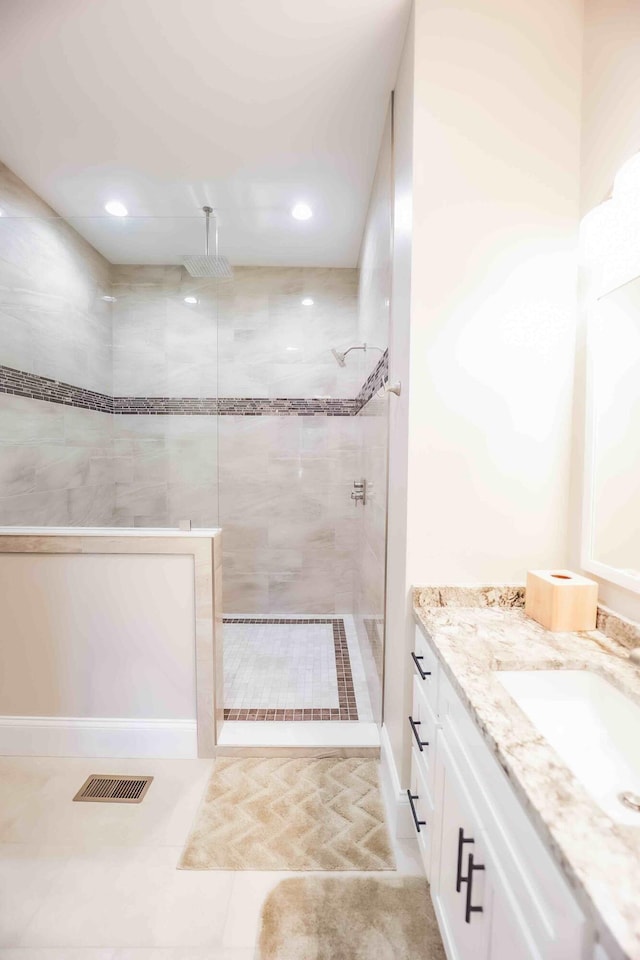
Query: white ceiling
x=247, y=105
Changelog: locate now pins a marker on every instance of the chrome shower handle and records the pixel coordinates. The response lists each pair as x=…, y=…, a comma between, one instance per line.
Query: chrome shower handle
x=359, y=492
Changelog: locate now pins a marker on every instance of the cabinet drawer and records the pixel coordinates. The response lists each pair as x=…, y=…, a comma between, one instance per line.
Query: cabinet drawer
x=423, y=732
x=423, y=808
x=426, y=669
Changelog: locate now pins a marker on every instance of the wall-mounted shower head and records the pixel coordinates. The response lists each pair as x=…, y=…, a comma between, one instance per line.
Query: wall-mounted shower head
x=339, y=357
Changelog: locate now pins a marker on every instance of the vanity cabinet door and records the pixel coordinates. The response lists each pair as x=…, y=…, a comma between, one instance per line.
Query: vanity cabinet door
x=510, y=938
x=460, y=886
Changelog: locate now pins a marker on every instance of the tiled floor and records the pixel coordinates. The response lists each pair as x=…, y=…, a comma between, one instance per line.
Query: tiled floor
x=85, y=881
x=294, y=669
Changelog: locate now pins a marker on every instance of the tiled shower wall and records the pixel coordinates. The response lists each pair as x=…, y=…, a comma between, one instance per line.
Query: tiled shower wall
x=290, y=525
x=271, y=345
x=55, y=462
x=165, y=467
x=283, y=483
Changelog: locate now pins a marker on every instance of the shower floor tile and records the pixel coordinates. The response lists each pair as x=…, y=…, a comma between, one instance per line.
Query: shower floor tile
x=290, y=668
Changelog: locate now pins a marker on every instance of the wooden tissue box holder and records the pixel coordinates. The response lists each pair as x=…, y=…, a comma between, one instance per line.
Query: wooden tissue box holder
x=561, y=600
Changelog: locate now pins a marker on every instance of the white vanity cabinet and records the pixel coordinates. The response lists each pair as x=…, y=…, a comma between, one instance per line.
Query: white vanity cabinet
x=423, y=724
x=497, y=893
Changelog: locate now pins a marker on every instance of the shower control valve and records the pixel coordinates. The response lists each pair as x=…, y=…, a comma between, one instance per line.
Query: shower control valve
x=359, y=492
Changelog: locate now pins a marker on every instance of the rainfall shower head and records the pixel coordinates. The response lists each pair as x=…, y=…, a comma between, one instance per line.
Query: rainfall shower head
x=207, y=266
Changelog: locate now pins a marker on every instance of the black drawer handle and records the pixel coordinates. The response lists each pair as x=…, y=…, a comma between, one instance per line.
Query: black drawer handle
x=414, y=726
x=471, y=868
x=461, y=841
x=418, y=823
x=423, y=673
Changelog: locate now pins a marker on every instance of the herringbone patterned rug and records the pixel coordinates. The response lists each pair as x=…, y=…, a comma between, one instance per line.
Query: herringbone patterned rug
x=290, y=814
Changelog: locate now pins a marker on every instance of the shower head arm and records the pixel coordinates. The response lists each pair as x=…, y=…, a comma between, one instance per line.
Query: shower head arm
x=365, y=347
x=340, y=355
x=207, y=213
x=345, y=352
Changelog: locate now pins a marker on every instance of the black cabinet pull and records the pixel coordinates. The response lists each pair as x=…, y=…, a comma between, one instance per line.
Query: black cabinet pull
x=461, y=841
x=414, y=726
x=418, y=823
x=423, y=673
x=471, y=868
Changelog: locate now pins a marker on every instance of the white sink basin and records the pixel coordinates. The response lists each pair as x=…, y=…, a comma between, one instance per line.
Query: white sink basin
x=591, y=725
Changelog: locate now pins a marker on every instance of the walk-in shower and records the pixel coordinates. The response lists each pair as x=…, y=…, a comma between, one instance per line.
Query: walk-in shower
x=138, y=390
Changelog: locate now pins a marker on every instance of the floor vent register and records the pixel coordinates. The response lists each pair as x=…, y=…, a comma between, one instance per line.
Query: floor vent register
x=113, y=788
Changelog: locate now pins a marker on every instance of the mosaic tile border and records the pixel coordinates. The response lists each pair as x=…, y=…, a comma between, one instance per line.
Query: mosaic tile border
x=374, y=382
x=35, y=387
x=347, y=708
x=233, y=406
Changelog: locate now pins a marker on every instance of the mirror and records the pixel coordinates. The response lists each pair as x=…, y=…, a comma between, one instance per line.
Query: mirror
x=611, y=529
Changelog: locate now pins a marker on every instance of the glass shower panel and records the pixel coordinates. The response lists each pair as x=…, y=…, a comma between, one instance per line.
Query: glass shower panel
x=374, y=311
x=291, y=446
x=108, y=371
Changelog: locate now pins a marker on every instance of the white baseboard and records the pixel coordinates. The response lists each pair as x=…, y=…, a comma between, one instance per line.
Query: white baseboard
x=97, y=737
x=395, y=798
x=301, y=733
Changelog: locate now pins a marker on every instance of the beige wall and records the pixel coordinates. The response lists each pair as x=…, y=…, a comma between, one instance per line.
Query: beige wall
x=611, y=85
x=97, y=636
x=615, y=362
x=487, y=406
x=610, y=136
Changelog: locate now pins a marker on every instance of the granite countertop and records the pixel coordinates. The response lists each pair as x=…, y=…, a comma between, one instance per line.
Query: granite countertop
x=477, y=631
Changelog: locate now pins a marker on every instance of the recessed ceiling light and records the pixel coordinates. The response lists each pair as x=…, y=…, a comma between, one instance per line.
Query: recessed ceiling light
x=190, y=299
x=292, y=348
x=110, y=299
x=307, y=302
x=116, y=208
x=301, y=211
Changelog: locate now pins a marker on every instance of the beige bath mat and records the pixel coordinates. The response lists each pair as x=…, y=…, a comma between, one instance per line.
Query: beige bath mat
x=349, y=918
x=290, y=814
